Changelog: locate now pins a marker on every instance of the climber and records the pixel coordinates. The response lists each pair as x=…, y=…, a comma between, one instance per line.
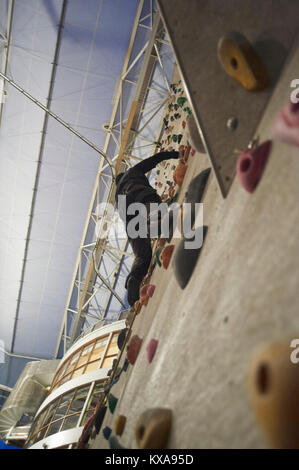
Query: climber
x=135, y=186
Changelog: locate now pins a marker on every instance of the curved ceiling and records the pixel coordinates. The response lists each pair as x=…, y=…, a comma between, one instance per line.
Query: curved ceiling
x=69, y=57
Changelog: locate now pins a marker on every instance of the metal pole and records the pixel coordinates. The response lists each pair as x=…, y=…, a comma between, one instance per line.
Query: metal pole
x=57, y=118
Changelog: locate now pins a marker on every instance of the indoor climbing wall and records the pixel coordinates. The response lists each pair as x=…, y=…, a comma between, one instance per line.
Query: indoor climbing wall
x=209, y=357
x=174, y=137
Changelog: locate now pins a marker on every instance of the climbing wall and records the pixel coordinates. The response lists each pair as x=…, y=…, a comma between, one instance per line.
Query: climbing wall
x=269, y=25
x=174, y=137
x=214, y=354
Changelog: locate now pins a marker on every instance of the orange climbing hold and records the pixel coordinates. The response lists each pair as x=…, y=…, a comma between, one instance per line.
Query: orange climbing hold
x=179, y=173
x=143, y=297
x=165, y=256
x=137, y=306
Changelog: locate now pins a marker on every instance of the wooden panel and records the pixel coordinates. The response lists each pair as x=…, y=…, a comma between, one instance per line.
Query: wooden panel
x=194, y=28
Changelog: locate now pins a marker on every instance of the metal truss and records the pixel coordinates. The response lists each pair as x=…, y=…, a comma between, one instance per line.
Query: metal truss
x=101, y=258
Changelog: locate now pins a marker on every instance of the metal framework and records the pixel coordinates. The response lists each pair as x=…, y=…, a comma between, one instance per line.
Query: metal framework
x=99, y=260
x=125, y=136
x=90, y=278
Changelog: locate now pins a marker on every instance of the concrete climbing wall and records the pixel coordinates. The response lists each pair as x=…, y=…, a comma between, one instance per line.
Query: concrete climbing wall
x=243, y=294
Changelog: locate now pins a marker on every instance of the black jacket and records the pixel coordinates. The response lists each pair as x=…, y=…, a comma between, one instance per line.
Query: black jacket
x=136, y=175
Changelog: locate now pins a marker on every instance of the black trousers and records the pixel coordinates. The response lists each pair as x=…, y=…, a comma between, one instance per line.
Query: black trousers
x=141, y=247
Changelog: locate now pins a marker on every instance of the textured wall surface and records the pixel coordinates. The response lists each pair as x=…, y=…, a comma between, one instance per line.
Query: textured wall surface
x=243, y=294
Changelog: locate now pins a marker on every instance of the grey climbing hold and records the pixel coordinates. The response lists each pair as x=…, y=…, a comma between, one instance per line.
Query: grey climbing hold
x=195, y=191
x=185, y=259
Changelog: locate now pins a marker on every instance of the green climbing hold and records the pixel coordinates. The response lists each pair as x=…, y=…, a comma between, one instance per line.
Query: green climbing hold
x=174, y=138
x=173, y=167
x=173, y=199
x=158, y=172
x=181, y=101
x=188, y=111
x=157, y=256
x=112, y=402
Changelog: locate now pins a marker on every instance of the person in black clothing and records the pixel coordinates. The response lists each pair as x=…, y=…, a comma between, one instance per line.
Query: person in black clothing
x=135, y=186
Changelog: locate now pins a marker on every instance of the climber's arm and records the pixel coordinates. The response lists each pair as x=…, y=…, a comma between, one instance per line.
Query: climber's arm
x=151, y=162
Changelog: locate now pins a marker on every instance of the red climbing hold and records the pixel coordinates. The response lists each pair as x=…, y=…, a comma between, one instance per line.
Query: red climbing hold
x=150, y=290
x=251, y=164
x=165, y=256
x=286, y=125
x=151, y=349
x=184, y=124
x=133, y=348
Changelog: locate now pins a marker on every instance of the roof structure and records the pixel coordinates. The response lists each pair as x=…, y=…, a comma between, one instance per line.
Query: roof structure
x=85, y=63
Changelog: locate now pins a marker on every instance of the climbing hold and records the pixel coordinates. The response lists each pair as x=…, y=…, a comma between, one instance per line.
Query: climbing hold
x=251, y=164
x=286, y=124
x=180, y=136
x=99, y=418
x=174, y=138
x=125, y=365
x=151, y=289
x=240, y=61
x=165, y=256
x=133, y=348
x=192, y=151
x=157, y=256
x=152, y=428
x=181, y=101
x=188, y=110
x=121, y=337
x=185, y=259
x=114, y=443
x=184, y=124
x=197, y=186
x=137, y=306
x=179, y=173
x=173, y=199
x=106, y=432
x=274, y=392
x=143, y=297
x=151, y=349
x=112, y=402
x=119, y=425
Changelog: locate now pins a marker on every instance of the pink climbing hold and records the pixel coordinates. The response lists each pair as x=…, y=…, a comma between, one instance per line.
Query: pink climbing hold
x=150, y=290
x=286, y=125
x=251, y=164
x=151, y=349
x=192, y=151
